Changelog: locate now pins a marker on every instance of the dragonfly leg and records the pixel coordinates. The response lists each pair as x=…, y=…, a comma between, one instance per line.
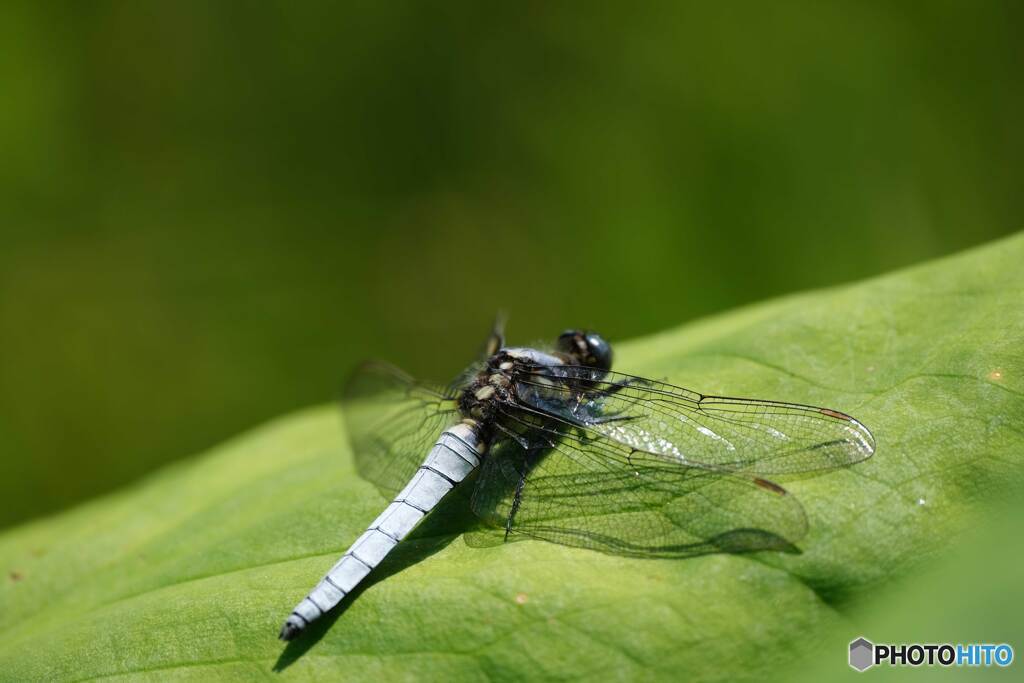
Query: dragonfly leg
x=516, y=500
x=521, y=440
x=622, y=384
x=585, y=438
x=496, y=340
x=611, y=418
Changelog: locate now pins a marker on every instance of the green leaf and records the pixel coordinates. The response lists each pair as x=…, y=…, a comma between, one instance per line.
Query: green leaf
x=189, y=574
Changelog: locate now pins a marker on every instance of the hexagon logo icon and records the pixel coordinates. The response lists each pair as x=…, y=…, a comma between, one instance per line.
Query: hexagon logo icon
x=862, y=653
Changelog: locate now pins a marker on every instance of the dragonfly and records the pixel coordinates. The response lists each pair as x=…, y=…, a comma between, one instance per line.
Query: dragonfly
x=558, y=447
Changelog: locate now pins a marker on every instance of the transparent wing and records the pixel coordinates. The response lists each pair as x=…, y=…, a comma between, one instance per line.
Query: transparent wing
x=392, y=422
x=551, y=482
x=689, y=428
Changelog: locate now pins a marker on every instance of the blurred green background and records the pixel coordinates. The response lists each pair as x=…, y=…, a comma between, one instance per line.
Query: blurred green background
x=210, y=211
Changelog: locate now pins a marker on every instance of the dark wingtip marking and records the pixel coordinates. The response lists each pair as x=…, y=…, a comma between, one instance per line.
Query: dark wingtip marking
x=835, y=413
x=770, y=486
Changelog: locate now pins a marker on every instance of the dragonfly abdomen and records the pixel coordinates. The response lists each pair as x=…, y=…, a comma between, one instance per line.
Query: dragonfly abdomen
x=456, y=454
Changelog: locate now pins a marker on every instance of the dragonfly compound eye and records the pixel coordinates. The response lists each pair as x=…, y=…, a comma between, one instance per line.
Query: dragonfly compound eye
x=599, y=351
x=587, y=348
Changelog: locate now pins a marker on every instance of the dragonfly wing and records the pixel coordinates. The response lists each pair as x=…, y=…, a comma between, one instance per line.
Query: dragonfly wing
x=392, y=422
x=566, y=488
x=683, y=426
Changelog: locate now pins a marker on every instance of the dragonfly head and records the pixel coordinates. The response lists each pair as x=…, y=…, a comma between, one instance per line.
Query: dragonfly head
x=586, y=348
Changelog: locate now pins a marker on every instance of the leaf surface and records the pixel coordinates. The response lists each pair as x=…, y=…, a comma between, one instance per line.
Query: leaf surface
x=188, y=574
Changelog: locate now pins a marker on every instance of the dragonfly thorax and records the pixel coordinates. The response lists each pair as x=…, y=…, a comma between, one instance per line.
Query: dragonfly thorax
x=490, y=387
x=495, y=384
